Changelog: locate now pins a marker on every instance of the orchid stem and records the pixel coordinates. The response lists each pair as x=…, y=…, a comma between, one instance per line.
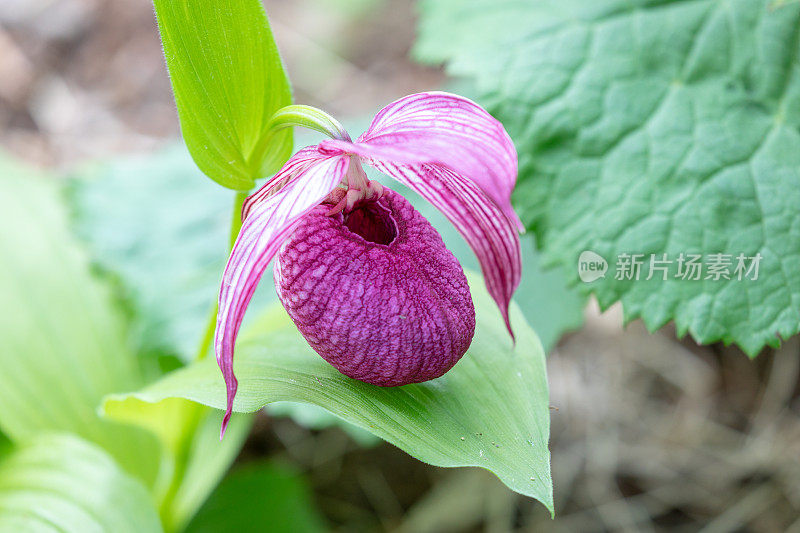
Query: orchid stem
x=236, y=225
x=196, y=412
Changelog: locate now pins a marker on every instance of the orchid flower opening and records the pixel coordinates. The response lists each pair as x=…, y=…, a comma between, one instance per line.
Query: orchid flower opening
x=365, y=277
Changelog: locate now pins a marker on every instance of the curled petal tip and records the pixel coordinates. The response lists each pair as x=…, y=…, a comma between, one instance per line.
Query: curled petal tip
x=508, y=327
x=508, y=209
x=232, y=385
x=225, y=420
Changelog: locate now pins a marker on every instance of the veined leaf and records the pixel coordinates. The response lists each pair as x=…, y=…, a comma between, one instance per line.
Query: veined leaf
x=491, y=410
x=62, y=483
x=650, y=127
x=228, y=80
x=64, y=345
x=314, y=417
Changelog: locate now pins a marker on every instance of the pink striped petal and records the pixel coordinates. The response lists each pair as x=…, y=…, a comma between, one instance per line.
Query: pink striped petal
x=491, y=234
x=448, y=130
x=270, y=216
x=298, y=164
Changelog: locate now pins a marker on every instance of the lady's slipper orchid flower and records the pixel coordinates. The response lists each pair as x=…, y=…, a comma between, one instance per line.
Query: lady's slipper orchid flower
x=366, y=279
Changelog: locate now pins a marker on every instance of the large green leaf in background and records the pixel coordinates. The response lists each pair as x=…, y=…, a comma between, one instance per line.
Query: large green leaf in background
x=64, y=345
x=162, y=230
x=491, y=410
x=649, y=127
x=228, y=80
x=62, y=483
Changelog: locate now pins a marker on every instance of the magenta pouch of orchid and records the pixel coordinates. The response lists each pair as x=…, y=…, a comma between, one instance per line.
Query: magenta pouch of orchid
x=375, y=292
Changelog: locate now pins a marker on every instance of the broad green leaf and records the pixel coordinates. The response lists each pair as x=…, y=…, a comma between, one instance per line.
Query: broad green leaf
x=60, y=483
x=64, y=344
x=315, y=417
x=228, y=80
x=649, y=127
x=178, y=465
x=491, y=410
x=258, y=496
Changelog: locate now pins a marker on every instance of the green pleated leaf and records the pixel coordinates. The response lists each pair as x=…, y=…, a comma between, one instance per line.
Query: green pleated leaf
x=650, y=127
x=255, y=496
x=491, y=410
x=64, y=344
x=228, y=80
x=60, y=483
